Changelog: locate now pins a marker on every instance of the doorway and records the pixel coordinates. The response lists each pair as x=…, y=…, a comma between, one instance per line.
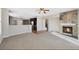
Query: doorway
x=46, y=24
x=33, y=22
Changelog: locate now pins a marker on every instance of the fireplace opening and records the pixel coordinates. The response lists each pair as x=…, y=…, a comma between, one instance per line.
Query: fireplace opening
x=68, y=30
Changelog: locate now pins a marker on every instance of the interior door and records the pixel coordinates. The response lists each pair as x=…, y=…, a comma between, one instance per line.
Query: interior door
x=34, y=24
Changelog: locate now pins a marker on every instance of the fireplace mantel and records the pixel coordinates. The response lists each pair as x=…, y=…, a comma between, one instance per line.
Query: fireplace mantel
x=68, y=24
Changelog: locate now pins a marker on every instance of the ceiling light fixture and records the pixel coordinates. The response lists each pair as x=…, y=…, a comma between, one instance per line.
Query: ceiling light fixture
x=43, y=10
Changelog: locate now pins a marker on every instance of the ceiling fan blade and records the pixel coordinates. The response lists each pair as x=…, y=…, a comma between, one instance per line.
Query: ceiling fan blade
x=41, y=9
x=46, y=10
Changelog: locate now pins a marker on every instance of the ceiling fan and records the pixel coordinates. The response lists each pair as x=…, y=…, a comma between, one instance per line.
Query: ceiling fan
x=43, y=10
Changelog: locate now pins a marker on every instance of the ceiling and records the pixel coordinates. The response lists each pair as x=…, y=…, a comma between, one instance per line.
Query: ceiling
x=32, y=12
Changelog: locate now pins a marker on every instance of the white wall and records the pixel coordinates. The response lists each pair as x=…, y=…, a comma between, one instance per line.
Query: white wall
x=9, y=30
x=4, y=16
x=78, y=24
x=0, y=28
x=41, y=23
x=18, y=29
x=53, y=23
x=0, y=21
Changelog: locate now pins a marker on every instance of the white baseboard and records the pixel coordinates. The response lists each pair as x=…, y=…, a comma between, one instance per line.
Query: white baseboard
x=5, y=36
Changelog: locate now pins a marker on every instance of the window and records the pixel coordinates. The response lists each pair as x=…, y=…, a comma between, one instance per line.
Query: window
x=26, y=22
x=12, y=21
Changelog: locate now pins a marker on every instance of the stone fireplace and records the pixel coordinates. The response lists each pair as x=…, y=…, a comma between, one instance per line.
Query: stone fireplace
x=69, y=23
x=69, y=29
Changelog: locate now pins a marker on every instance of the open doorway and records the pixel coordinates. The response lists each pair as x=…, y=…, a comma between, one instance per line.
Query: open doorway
x=33, y=22
x=46, y=24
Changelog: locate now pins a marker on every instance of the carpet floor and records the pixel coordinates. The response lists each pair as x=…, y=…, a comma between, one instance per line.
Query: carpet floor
x=36, y=41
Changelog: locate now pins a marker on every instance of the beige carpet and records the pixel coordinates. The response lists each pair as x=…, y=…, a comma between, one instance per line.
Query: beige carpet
x=42, y=40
